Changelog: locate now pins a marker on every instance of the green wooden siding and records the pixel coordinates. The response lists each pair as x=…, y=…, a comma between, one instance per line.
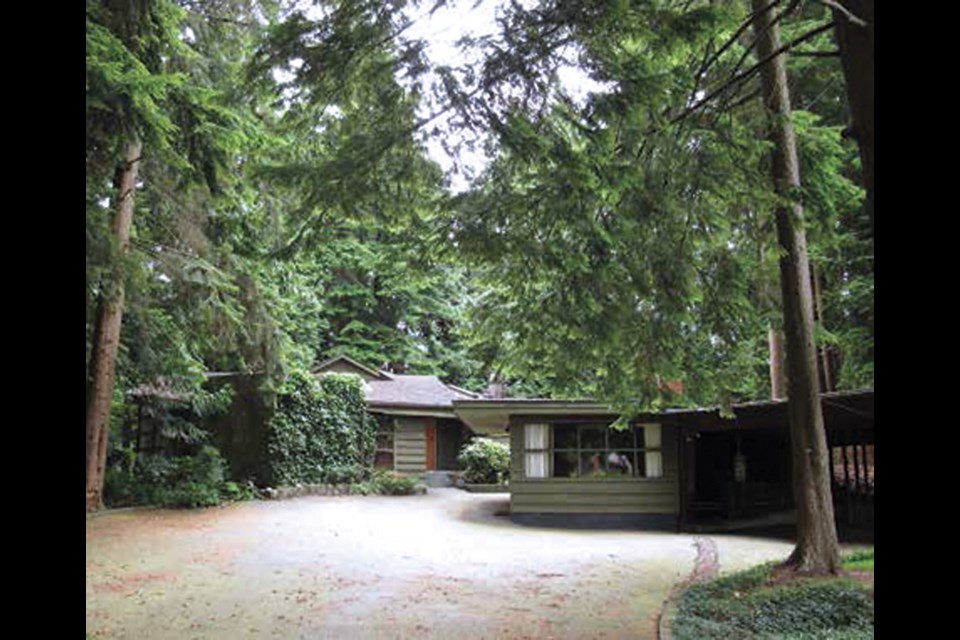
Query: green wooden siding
x=410, y=445
x=592, y=495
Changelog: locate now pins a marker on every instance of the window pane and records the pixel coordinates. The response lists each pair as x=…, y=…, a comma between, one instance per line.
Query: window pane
x=651, y=436
x=654, y=464
x=535, y=465
x=621, y=439
x=385, y=441
x=641, y=465
x=565, y=464
x=620, y=463
x=592, y=437
x=592, y=464
x=535, y=436
x=564, y=436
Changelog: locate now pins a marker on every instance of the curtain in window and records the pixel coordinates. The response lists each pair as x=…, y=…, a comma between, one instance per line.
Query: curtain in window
x=653, y=459
x=535, y=437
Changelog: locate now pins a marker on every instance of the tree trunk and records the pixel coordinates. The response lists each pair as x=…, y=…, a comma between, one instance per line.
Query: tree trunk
x=778, y=386
x=826, y=371
x=106, y=338
x=855, y=42
x=817, y=550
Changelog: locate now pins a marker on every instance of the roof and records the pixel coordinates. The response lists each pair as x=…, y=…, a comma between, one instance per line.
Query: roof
x=842, y=409
x=421, y=391
x=339, y=363
x=409, y=393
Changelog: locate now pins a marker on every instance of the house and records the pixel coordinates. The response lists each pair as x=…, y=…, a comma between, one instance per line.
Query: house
x=419, y=430
x=682, y=468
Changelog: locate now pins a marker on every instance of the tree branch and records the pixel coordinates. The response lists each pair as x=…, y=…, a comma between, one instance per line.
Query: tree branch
x=747, y=73
x=836, y=6
x=833, y=53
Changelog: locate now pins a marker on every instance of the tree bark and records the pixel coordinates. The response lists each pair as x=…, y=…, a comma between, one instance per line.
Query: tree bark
x=778, y=385
x=855, y=42
x=817, y=550
x=106, y=338
x=826, y=370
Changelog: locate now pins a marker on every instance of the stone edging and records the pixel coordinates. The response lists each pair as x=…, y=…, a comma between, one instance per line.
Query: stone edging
x=705, y=567
x=281, y=493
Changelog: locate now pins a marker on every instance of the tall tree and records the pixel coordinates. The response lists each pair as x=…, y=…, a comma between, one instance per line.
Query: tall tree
x=154, y=129
x=106, y=339
x=817, y=549
x=125, y=45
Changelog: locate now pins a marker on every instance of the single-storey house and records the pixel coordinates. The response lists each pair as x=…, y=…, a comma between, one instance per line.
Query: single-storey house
x=679, y=468
x=419, y=430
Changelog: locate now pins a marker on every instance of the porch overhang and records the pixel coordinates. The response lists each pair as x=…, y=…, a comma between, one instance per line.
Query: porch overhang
x=492, y=416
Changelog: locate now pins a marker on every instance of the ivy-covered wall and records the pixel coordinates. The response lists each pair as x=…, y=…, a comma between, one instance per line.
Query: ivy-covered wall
x=320, y=432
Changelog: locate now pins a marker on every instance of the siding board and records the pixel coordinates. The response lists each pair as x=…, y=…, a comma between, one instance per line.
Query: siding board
x=410, y=445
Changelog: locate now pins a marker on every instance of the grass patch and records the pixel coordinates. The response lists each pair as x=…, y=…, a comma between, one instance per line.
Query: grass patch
x=861, y=560
x=757, y=603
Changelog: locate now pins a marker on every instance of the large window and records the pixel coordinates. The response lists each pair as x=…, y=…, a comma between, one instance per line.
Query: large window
x=592, y=450
x=383, y=458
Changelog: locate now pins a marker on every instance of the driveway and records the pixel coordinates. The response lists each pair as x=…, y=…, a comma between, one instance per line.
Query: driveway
x=441, y=565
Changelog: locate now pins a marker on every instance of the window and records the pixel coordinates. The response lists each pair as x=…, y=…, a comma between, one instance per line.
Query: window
x=383, y=456
x=535, y=444
x=592, y=450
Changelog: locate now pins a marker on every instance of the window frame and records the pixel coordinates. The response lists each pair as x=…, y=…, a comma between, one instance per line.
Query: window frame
x=639, y=450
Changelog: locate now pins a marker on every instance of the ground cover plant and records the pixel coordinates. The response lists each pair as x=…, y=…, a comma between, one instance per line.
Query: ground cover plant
x=771, y=602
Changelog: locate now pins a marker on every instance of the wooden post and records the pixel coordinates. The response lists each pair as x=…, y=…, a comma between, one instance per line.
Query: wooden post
x=846, y=477
x=833, y=475
x=682, y=478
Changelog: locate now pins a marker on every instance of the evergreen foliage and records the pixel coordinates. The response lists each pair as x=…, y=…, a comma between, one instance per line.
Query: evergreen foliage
x=321, y=432
x=286, y=210
x=189, y=481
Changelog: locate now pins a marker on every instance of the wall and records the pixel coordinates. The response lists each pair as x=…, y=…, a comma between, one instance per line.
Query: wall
x=411, y=445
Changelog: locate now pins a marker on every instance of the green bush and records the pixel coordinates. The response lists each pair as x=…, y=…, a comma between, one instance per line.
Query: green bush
x=236, y=492
x=485, y=461
x=321, y=432
x=184, y=481
x=387, y=483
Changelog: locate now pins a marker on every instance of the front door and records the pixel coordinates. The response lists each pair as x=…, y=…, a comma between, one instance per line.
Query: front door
x=431, y=431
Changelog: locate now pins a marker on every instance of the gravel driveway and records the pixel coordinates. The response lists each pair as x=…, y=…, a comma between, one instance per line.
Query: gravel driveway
x=441, y=565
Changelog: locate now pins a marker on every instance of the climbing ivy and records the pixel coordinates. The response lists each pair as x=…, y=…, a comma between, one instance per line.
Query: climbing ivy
x=321, y=431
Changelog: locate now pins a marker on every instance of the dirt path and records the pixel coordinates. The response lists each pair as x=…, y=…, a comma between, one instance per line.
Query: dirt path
x=436, y=566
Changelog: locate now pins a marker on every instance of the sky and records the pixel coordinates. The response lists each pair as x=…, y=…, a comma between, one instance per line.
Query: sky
x=441, y=30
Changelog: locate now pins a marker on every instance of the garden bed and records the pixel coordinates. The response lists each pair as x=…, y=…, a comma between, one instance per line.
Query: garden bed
x=771, y=601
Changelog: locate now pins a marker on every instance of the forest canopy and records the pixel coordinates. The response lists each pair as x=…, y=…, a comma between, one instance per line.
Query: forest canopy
x=260, y=196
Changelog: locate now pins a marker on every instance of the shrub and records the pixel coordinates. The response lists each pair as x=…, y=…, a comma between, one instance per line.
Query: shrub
x=236, y=492
x=485, y=461
x=387, y=483
x=183, y=481
x=320, y=432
